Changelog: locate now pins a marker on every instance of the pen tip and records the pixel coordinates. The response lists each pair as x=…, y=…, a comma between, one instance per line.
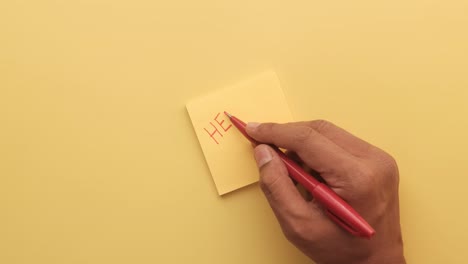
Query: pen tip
x=226, y=113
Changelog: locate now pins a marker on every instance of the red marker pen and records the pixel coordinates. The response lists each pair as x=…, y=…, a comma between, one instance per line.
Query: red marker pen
x=336, y=208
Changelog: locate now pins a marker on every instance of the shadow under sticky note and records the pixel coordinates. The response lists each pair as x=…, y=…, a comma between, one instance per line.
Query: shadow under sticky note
x=227, y=153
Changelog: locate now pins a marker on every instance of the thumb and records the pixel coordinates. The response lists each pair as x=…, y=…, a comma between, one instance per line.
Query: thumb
x=285, y=200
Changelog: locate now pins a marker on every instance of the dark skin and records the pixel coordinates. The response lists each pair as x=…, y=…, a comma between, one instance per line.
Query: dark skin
x=362, y=174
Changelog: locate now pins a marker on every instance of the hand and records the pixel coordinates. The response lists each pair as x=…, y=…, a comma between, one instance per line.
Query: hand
x=362, y=174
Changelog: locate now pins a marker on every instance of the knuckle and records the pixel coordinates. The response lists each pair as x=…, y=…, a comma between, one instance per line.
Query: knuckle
x=390, y=170
x=370, y=177
x=321, y=125
x=301, y=231
x=386, y=162
x=302, y=135
x=390, y=164
x=265, y=128
x=364, y=179
x=387, y=166
x=368, y=172
x=269, y=183
x=296, y=231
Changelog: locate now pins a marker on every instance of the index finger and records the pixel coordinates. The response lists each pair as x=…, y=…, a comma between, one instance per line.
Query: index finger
x=340, y=137
x=317, y=151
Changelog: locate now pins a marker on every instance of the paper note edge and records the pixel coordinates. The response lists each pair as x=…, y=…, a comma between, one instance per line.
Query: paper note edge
x=203, y=151
x=259, y=75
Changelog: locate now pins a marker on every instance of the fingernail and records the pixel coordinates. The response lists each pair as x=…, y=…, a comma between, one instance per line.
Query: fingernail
x=262, y=155
x=251, y=126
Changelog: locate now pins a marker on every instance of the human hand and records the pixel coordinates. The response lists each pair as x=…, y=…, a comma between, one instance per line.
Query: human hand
x=363, y=175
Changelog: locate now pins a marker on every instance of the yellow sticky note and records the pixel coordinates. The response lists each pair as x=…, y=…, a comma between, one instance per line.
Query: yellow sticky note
x=227, y=152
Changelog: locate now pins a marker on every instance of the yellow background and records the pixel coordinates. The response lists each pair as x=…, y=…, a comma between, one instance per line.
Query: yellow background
x=99, y=162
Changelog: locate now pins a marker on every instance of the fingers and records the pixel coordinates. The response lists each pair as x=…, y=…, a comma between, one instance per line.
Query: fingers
x=287, y=203
x=275, y=182
x=340, y=137
x=317, y=151
x=293, y=155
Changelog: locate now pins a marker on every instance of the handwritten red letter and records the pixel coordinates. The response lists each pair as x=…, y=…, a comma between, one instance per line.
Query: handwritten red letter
x=221, y=123
x=213, y=133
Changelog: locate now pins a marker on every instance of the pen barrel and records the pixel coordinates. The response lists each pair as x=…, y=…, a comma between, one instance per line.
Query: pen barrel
x=341, y=212
x=240, y=125
x=297, y=172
